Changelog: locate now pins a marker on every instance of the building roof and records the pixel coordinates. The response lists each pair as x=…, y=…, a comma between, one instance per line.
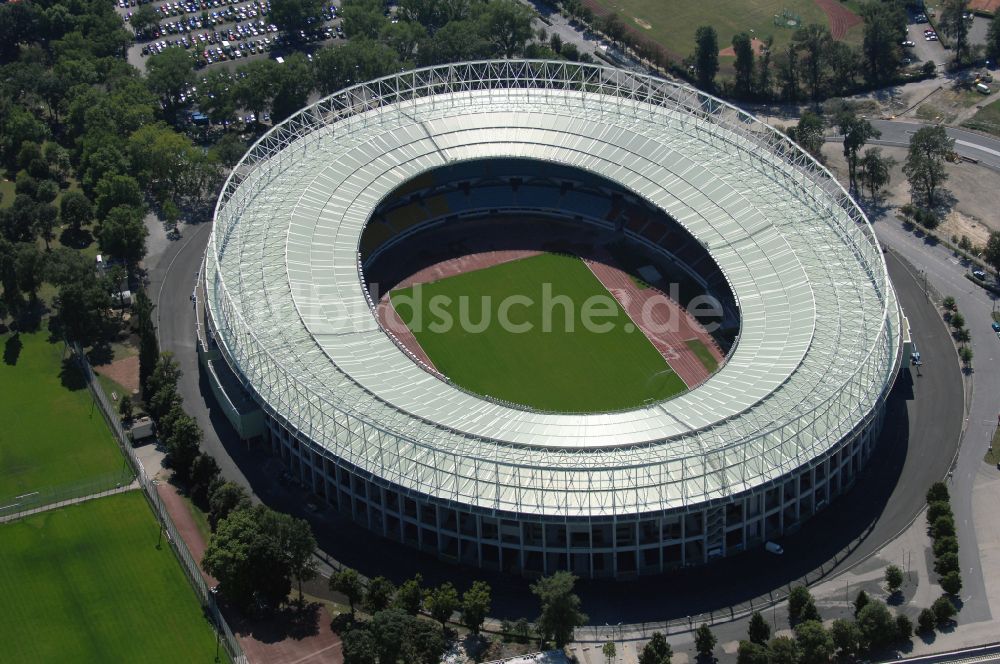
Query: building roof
x=819, y=340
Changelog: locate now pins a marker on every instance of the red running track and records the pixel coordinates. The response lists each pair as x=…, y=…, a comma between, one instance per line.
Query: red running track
x=664, y=322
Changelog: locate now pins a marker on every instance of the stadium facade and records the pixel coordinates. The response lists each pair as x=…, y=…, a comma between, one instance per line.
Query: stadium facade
x=288, y=333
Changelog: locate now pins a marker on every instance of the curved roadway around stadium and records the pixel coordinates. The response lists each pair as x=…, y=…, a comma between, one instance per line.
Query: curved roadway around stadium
x=819, y=338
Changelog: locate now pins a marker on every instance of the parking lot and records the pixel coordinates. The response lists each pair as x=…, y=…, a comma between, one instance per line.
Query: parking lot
x=217, y=31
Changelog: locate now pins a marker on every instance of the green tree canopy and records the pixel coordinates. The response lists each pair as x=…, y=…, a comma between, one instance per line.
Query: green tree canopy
x=706, y=57
x=924, y=166
x=561, y=613
x=348, y=582
x=476, y=604
x=656, y=650
x=441, y=602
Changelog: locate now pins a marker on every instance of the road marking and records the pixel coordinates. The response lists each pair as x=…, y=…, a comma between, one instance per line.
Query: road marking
x=976, y=146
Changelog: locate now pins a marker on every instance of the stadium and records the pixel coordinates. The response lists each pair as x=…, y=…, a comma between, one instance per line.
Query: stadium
x=505, y=173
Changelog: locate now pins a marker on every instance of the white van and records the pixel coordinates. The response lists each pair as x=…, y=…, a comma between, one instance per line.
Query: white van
x=773, y=547
x=982, y=88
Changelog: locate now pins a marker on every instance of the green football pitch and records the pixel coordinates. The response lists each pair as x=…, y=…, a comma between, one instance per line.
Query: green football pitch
x=53, y=435
x=547, y=358
x=87, y=583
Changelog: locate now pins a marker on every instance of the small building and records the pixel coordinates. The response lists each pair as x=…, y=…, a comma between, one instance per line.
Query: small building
x=142, y=429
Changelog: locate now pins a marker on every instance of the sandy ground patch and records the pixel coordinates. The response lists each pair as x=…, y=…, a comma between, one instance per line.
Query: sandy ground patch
x=756, y=44
x=125, y=372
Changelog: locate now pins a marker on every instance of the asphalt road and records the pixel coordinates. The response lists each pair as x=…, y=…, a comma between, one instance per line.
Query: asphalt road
x=984, y=149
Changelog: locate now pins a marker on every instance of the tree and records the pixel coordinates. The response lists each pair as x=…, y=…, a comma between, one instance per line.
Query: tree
x=476, y=604
x=362, y=19
x=924, y=166
x=704, y=641
x=75, y=209
x=204, y=471
x=125, y=408
x=508, y=24
x=149, y=352
x=878, y=628
x=81, y=307
x=788, y=72
x=359, y=646
x=293, y=85
x=798, y=599
x=298, y=543
x=441, y=602
x=743, y=83
x=782, y=650
x=952, y=22
x=951, y=582
x=860, y=602
x=45, y=222
x=293, y=15
x=856, y=132
x=759, y=630
x=815, y=643
x=257, y=86
x=965, y=353
x=348, y=583
x=122, y=234
x=404, y=37
x=244, y=554
x=145, y=16
x=904, y=627
x=949, y=304
x=706, y=57
x=378, y=595
x=763, y=85
x=561, y=613
x=943, y=545
x=993, y=38
x=814, y=40
x=992, y=252
x=876, y=171
x=182, y=446
x=115, y=191
x=958, y=322
x=938, y=491
x=224, y=499
x=808, y=133
x=893, y=579
x=963, y=336
x=846, y=637
x=609, y=652
x=885, y=28
x=169, y=74
x=943, y=526
x=945, y=563
x=656, y=651
x=943, y=609
x=356, y=61
x=926, y=621
x=410, y=595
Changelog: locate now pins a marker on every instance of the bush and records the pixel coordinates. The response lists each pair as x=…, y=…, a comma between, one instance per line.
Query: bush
x=926, y=621
x=943, y=609
x=798, y=599
x=951, y=582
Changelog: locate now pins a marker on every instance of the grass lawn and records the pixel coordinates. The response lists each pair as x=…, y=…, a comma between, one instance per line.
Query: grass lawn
x=86, y=583
x=53, y=434
x=673, y=24
x=556, y=367
x=703, y=354
x=986, y=119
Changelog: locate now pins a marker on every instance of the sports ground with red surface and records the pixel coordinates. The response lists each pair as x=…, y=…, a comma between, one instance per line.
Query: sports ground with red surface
x=655, y=350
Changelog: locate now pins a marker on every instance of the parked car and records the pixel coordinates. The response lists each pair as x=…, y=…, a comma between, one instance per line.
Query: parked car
x=979, y=274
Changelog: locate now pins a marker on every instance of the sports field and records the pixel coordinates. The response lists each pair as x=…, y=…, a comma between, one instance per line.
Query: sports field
x=546, y=358
x=52, y=434
x=673, y=24
x=86, y=583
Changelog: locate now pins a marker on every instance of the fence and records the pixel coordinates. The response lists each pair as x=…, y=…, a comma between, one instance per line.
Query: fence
x=191, y=569
x=14, y=507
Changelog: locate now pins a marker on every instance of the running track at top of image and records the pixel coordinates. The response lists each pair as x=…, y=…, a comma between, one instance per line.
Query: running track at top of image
x=841, y=18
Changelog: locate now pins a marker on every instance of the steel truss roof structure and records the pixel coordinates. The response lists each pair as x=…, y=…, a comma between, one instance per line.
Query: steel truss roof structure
x=819, y=344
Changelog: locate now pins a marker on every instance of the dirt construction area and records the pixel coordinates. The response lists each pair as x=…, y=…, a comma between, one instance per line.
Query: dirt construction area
x=971, y=191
